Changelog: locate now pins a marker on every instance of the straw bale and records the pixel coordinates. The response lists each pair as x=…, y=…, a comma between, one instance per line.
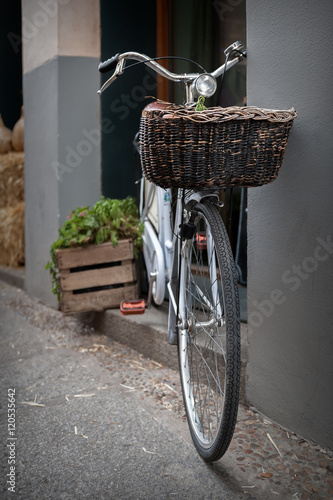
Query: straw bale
x=11, y=179
x=12, y=235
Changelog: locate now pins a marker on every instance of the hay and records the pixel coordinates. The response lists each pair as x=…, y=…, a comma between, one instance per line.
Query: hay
x=12, y=235
x=11, y=179
x=12, y=209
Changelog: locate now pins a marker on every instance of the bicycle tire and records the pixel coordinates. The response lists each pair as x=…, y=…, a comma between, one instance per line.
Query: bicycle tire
x=209, y=356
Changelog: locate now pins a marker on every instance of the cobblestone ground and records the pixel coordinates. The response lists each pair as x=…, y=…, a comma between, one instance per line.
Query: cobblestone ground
x=262, y=451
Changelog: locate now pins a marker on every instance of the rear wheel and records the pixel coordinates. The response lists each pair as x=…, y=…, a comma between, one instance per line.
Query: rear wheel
x=209, y=337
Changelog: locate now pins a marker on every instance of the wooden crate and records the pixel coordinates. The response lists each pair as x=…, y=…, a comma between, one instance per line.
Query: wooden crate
x=96, y=277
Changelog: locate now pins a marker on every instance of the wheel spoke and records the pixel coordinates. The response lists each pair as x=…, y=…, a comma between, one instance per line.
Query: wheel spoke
x=206, y=367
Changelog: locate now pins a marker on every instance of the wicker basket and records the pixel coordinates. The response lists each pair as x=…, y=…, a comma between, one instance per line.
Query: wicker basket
x=217, y=147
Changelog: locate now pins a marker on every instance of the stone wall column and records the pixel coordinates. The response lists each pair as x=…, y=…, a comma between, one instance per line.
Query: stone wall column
x=61, y=51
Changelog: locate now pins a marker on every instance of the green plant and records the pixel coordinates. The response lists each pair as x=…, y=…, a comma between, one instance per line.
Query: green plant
x=108, y=220
x=200, y=104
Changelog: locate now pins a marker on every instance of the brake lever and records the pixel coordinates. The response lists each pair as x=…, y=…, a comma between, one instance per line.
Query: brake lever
x=118, y=71
x=234, y=46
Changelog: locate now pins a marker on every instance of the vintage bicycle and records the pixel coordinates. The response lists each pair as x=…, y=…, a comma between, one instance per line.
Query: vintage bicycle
x=187, y=252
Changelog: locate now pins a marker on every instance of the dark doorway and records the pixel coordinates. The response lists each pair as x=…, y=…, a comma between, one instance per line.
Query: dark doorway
x=11, y=96
x=125, y=27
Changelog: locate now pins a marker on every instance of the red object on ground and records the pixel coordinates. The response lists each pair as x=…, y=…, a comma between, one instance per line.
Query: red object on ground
x=201, y=241
x=132, y=307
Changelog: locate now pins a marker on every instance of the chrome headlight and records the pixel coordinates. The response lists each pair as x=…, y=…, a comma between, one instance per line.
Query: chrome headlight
x=204, y=85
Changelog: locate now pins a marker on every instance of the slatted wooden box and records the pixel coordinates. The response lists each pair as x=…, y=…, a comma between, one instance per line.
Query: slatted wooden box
x=96, y=277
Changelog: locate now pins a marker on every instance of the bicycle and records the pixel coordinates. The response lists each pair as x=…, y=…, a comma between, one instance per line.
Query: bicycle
x=194, y=261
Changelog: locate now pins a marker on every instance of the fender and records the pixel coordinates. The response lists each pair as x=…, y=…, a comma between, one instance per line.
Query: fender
x=154, y=260
x=193, y=197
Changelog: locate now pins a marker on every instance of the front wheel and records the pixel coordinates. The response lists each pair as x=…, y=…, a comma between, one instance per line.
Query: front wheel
x=209, y=333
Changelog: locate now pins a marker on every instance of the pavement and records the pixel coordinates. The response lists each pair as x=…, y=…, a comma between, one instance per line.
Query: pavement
x=96, y=418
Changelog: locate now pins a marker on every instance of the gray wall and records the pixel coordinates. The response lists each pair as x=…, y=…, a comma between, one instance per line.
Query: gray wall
x=62, y=155
x=290, y=242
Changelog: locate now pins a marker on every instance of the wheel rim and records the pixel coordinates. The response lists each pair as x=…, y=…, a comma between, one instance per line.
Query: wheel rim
x=202, y=341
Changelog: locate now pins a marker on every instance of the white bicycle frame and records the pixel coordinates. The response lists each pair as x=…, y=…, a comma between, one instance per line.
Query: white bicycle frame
x=161, y=246
x=155, y=211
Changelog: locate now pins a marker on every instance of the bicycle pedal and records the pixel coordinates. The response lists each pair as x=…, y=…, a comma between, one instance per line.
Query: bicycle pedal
x=201, y=240
x=128, y=307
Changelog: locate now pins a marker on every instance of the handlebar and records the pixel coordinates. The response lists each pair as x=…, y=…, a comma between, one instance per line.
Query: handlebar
x=118, y=63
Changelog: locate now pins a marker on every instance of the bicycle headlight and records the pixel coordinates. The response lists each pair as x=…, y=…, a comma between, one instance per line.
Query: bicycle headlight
x=204, y=85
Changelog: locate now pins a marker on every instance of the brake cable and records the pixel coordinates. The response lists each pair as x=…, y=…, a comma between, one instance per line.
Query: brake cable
x=166, y=57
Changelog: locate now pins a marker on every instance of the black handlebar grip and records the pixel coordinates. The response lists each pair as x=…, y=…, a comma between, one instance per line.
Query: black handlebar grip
x=106, y=66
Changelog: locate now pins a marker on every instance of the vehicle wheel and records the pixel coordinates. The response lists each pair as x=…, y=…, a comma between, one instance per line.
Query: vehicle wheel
x=209, y=337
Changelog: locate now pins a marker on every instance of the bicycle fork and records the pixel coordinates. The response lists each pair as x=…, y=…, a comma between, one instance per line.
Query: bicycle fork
x=177, y=307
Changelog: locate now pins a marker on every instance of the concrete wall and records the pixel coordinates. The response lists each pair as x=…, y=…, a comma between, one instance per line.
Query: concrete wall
x=290, y=242
x=59, y=28
x=61, y=51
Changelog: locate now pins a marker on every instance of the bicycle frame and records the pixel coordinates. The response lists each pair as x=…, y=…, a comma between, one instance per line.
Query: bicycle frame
x=157, y=237
x=160, y=244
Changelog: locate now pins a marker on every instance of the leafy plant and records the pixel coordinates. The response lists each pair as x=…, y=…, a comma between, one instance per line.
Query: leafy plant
x=108, y=220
